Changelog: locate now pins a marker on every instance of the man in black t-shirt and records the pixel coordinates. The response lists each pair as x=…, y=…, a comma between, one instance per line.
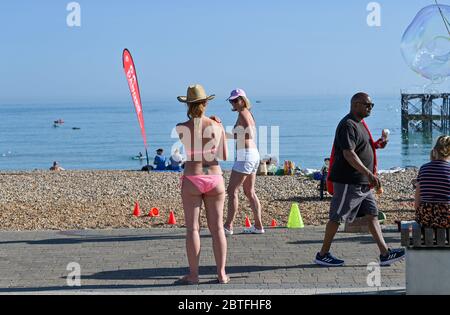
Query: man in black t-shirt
x=352, y=176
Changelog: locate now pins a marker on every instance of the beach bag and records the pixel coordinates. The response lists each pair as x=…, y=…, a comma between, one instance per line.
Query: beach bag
x=317, y=176
x=279, y=172
x=272, y=169
x=262, y=169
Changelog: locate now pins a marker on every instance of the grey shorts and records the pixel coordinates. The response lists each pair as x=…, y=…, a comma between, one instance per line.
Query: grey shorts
x=351, y=201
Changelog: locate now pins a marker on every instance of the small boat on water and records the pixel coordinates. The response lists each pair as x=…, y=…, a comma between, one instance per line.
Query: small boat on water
x=59, y=122
x=140, y=156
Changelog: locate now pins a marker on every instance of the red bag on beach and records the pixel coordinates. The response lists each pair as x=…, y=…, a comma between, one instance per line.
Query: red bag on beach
x=375, y=145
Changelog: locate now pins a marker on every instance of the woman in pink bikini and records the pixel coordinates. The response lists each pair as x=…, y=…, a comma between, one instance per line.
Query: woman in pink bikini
x=205, y=143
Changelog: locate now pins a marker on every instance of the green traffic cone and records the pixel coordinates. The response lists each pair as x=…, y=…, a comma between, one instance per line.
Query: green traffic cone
x=381, y=217
x=295, y=220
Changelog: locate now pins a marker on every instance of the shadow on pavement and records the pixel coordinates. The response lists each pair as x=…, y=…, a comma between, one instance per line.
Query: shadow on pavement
x=362, y=239
x=166, y=273
x=104, y=239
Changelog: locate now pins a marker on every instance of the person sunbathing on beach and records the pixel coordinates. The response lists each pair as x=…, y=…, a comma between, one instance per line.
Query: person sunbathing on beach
x=176, y=161
x=56, y=167
x=202, y=182
x=160, y=160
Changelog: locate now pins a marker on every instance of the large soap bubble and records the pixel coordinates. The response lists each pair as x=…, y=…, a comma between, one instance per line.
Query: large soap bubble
x=426, y=43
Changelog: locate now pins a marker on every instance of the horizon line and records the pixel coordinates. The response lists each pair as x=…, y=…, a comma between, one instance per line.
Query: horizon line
x=173, y=98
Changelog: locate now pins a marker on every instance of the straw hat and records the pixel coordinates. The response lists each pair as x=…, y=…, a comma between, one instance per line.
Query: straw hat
x=195, y=93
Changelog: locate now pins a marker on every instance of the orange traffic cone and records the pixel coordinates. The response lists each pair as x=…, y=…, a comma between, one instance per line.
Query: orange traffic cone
x=137, y=211
x=247, y=222
x=154, y=213
x=274, y=223
x=172, y=220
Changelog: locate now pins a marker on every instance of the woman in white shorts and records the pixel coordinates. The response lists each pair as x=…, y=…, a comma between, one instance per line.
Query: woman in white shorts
x=246, y=165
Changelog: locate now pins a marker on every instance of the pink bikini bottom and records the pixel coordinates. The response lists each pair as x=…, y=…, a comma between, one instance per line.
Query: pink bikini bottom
x=204, y=183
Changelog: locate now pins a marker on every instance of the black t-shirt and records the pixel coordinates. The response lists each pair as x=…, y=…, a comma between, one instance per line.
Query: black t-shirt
x=351, y=135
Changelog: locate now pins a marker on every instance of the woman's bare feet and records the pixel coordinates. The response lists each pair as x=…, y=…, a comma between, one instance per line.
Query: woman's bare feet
x=223, y=279
x=187, y=280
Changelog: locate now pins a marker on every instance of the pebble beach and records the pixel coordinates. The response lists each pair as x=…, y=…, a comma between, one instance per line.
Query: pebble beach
x=44, y=200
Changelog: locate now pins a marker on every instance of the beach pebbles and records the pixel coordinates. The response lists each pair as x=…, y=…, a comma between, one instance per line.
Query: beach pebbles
x=44, y=200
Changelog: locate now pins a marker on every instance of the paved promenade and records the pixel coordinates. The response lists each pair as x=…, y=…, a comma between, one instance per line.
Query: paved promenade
x=148, y=261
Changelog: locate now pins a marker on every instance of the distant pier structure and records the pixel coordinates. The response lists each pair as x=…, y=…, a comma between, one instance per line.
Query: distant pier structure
x=425, y=112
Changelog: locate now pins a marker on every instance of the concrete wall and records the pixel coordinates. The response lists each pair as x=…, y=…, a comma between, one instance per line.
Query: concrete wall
x=428, y=271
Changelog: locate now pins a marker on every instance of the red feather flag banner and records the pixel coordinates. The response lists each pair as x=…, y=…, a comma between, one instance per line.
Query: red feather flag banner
x=130, y=72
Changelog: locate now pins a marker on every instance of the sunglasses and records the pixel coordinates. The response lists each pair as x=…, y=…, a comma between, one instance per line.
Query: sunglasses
x=234, y=101
x=371, y=105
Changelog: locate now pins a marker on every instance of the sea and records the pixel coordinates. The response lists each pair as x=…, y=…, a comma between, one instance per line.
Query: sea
x=106, y=135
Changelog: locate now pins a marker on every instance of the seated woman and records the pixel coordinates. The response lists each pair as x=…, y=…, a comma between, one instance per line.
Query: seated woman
x=176, y=161
x=432, y=199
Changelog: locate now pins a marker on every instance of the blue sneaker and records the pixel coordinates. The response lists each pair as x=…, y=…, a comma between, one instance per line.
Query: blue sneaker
x=393, y=256
x=328, y=260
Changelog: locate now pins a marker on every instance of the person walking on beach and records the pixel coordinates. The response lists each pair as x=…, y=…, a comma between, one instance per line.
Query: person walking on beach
x=353, y=174
x=432, y=198
x=204, y=141
x=246, y=164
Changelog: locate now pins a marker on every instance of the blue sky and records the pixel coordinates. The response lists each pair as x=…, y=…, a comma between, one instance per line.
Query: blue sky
x=270, y=48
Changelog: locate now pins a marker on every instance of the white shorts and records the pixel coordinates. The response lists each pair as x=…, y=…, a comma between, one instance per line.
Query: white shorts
x=247, y=161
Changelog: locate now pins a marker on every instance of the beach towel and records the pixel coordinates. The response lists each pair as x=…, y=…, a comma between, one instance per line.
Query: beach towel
x=374, y=144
